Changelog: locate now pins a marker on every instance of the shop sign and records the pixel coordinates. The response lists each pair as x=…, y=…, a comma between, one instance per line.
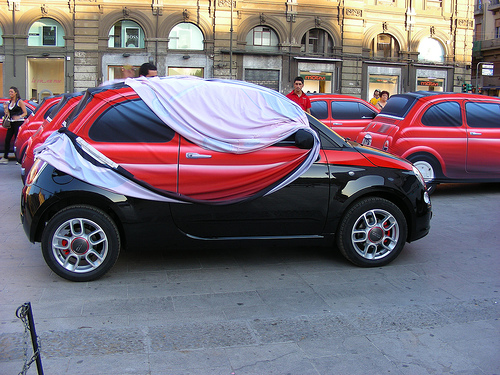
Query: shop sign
x=429, y=83
x=487, y=70
x=316, y=77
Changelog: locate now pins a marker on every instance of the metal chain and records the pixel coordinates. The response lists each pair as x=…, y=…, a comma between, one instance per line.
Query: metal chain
x=21, y=313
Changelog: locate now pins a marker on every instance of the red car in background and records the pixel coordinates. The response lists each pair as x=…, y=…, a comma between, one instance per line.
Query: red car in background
x=53, y=122
x=449, y=137
x=346, y=115
x=29, y=108
x=32, y=123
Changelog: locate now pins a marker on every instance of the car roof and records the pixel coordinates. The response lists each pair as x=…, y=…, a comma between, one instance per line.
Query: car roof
x=399, y=105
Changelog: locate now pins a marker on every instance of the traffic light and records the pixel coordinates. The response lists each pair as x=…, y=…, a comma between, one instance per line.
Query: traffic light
x=464, y=87
x=469, y=87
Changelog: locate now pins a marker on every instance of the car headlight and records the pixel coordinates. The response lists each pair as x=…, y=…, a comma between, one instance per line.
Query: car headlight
x=419, y=175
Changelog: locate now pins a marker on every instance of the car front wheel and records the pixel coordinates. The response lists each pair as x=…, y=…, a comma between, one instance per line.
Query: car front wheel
x=80, y=243
x=372, y=232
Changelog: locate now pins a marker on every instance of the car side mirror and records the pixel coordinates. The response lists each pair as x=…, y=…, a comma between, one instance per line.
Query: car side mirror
x=304, y=139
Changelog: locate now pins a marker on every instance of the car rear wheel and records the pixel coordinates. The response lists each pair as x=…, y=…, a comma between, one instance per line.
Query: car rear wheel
x=429, y=168
x=372, y=232
x=80, y=243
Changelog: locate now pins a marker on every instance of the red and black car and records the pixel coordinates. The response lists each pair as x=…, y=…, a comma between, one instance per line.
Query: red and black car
x=366, y=202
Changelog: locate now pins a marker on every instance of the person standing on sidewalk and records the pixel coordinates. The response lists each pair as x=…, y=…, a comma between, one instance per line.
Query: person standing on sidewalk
x=298, y=96
x=16, y=109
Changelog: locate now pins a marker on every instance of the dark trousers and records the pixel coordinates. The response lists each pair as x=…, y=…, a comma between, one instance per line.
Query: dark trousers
x=11, y=133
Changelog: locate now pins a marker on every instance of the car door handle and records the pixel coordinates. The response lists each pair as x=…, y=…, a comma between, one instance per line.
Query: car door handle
x=336, y=123
x=195, y=155
x=475, y=133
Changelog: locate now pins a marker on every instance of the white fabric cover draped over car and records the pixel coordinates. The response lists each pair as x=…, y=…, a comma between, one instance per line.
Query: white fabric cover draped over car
x=224, y=116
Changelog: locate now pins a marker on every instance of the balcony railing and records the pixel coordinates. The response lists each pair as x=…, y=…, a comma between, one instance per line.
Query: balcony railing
x=494, y=5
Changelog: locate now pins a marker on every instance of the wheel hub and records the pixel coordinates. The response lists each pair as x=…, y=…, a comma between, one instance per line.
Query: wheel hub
x=79, y=246
x=376, y=235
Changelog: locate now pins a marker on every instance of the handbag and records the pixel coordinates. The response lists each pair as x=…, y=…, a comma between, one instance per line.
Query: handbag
x=6, y=120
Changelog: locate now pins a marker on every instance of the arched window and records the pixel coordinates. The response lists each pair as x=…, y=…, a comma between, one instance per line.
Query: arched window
x=186, y=36
x=430, y=50
x=126, y=34
x=317, y=41
x=1, y=37
x=262, y=38
x=46, y=32
x=385, y=46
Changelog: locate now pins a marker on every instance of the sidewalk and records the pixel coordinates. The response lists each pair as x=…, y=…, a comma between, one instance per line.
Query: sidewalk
x=265, y=310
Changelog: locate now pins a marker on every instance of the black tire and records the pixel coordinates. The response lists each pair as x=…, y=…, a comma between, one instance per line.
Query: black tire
x=372, y=233
x=429, y=167
x=80, y=243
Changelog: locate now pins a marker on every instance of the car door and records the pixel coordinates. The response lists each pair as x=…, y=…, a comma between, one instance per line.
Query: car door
x=298, y=209
x=483, y=137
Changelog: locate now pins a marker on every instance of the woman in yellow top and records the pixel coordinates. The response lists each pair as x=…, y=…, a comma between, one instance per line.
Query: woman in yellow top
x=376, y=97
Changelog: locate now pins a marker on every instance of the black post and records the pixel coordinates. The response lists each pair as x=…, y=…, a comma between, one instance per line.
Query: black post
x=34, y=340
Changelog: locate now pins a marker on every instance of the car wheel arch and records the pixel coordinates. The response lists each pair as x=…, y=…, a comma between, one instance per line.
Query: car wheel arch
x=390, y=195
x=83, y=199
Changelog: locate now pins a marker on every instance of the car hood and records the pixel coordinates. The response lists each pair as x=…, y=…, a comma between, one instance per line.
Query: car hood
x=381, y=158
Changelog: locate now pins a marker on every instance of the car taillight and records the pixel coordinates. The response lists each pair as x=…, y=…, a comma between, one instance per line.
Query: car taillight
x=386, y=145
x=35, y=170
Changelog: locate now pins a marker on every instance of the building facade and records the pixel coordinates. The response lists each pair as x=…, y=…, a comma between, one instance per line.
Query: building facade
x=486, y=49
x=345, y=46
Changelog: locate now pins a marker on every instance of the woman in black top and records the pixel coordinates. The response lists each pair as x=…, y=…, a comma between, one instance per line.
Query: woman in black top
x=16, y=109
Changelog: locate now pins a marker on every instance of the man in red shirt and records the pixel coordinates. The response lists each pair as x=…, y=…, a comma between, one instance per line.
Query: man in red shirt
x=298, y=96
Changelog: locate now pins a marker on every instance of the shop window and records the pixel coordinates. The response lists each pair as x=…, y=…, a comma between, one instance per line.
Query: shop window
x=178, y=71
x=46, y=32
x=317, y=41
x=385, y=46
x=186, y=36
x=126, y=34
x=262, y=38
x=430, y=50
x=1, y=37
x=264, y=77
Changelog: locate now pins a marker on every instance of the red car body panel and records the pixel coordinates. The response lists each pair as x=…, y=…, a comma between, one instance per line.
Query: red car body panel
x=32, y=123
x=3, y=132
x=462, y=151
x=46, y=129
x=183, y=167
x=346, y=115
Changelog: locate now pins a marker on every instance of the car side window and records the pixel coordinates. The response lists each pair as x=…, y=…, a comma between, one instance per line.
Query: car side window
x=131, y=121
x=47, y=113
x=366, y=112
x=345, y=111
x=482, y=115
x=443, y=114
x=319, y=109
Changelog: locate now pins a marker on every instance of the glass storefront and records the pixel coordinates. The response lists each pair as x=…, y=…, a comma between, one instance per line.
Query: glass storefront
x=197, y=72
x=431, y=80
x=45, y=77
x=389, y=83
x=317, y=81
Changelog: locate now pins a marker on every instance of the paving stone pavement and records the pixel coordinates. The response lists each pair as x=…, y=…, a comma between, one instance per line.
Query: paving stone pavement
x=265, y=309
